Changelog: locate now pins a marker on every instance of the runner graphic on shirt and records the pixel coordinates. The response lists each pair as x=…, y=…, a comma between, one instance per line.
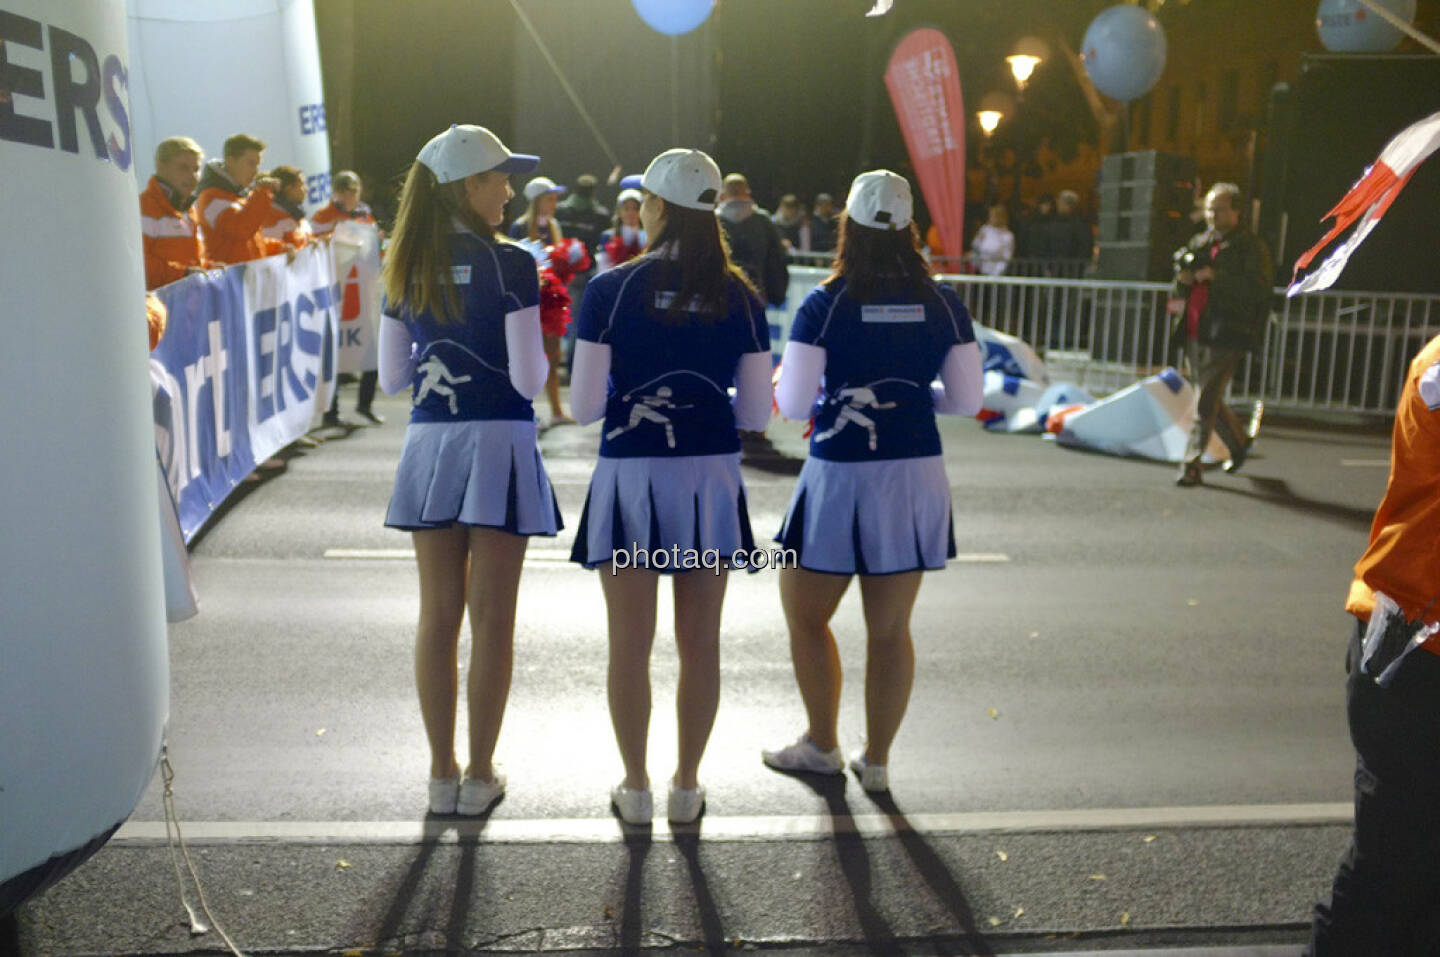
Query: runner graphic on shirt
x=647, y=409
x=855, y=399
x=438, y=379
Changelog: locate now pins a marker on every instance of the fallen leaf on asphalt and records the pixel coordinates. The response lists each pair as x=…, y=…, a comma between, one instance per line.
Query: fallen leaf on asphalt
x=1098, y=877
x=341, y=864
x=1125, y=919
x=320, y=733
x=1034, y=634
x=1019, y=912
x=1192, y=602
x=993, y=921
x=994, y=715
x=1002, y=855
x=1149, y=838
x=608, y=913
x=354, y=953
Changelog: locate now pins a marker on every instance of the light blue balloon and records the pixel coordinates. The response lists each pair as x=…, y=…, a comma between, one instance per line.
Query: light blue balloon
x=673, y=17
x=1346, y=26
x=1124, y=52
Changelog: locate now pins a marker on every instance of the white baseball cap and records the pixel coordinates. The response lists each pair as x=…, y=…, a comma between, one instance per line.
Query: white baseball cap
x=625, y=194
x=686, y=178
x=464, y=150
x=541, y=185
x=880, y=199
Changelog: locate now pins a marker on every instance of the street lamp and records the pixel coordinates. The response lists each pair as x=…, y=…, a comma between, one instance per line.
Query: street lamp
x=1029, y=53
x=989, y=119
x=993, y=107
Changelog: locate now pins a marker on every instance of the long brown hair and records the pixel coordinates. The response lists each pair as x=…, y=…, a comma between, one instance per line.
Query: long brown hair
x=878, y=263
x=704, y=262
x=532, y=227
x=416, y=273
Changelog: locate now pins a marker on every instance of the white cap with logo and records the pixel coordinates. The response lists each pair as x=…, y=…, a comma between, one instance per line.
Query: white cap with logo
x=686, y=178
x=880, y=199
x=541, y=185
x=629, y=194
x=464, y=150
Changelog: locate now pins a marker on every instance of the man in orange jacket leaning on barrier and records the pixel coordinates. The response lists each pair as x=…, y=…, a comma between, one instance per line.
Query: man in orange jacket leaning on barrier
x=233, y=203
x=170, y=230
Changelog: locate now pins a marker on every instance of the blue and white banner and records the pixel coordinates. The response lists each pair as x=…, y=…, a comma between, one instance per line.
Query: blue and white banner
x=356, y=248
x=248, y=358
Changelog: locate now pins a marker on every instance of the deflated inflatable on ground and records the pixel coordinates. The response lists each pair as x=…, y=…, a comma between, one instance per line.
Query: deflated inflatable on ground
x=1150, y=419
x=83, y=686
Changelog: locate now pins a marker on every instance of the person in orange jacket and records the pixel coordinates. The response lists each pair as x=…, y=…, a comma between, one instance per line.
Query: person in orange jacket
x=170, y=230
x=345, y=203
x=285, y=227
x=233, y=203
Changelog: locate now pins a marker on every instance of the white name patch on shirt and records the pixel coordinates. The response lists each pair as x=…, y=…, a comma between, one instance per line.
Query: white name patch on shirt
x=460, y=275
x=892, y=313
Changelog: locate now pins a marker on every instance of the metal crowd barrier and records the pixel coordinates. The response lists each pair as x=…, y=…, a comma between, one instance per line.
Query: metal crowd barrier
x=1334, y=351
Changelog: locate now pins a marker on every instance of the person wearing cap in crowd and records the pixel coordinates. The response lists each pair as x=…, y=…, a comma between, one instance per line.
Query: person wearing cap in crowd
x=822, y=223
x=461, y=328
x=581, y=215
x=1382, y=900
x=872, y=499
x=542, y=195
x=559, y=258
x=755, y=242
x=660, y=341
x=170, y=229
x=625, y=239
x=346, y=204
x=234, y=203
x=284, y=227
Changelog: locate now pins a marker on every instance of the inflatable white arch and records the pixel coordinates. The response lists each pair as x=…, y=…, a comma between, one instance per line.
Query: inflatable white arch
x=83, y=670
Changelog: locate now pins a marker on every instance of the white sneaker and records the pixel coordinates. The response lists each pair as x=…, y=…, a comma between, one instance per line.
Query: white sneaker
x=443, y=794
x=873, y=777
x=805, y=757
x=685, y=806
x=634, y=805
x=477, y=796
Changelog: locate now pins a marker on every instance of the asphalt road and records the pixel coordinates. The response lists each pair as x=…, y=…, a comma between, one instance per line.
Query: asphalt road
x=1114, y=654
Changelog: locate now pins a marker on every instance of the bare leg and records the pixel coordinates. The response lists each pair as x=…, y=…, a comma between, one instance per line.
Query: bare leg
x=552, y=381
x=630, y=609
x=810, y=599
x=889, y=657
x=441, y=556
x=495, y=561
x=698, y=597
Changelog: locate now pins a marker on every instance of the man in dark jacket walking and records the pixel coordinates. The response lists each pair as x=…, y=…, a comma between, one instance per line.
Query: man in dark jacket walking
x=755, y=244
x=1223, y=280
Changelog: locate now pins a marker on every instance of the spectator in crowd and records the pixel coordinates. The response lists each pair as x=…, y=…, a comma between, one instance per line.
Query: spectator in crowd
x=233, y=203
x=538, y=222
x=1071, y=238
x=170, y=230
x=285, y=228
x=156, y=318
x=581, y=215
x=822, y=223
x=1030, y=239
x=346, y=203
x=873, y=499
x=625, y=239
x=462, y=330
x=789, y=219
x=661, y=339
x=994, y=244
x=1383, y=897
x=755, y=244
x=1221, y=299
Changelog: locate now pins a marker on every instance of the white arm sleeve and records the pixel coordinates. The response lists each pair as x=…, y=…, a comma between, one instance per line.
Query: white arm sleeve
x=963, y=378
x=526, y=347
x=752, y=391
x=801, y=369
x=396, y=355
x=589, y=380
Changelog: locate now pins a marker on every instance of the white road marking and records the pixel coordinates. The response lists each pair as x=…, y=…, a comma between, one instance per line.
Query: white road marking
x=1365, y=463
x=800, y=827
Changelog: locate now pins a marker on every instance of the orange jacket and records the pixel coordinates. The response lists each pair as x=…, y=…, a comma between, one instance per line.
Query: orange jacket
x=1403, y=559
x=229, y=220
x=326, y=217
x=171, y=238
x=284, y=227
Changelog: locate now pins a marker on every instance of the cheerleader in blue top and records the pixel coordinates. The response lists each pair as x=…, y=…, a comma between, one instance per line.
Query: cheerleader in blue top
x=660, y=341
x=873, y=499
x=461, y=328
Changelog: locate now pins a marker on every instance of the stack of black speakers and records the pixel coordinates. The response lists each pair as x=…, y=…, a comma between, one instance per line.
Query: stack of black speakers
x=1146, y=199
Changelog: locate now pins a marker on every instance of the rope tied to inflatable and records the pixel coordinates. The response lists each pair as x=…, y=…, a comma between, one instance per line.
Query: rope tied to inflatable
x=197, y=926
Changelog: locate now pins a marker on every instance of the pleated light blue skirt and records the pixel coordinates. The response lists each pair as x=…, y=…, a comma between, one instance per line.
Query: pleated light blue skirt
x=870, y=518
x=646, y=505
x=485, y=473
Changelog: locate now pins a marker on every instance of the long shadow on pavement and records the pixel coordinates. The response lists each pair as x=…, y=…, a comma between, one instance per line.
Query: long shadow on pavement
x=1274, y=491
x=688, y=843
x=632, y=927
x=392, y=924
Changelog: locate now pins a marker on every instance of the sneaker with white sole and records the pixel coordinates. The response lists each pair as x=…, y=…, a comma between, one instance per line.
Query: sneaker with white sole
x=634, y=805
x=443, y=794
x=873, y=777
x=803, y=756
x=477, y=796
x=685, y=805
